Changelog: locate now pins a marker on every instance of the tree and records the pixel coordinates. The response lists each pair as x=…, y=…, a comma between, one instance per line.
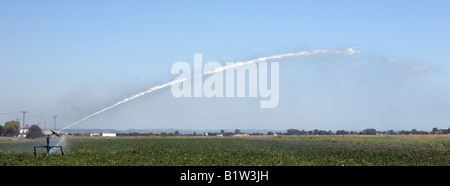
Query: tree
x=12, y=128
x=237, y=131
x=404, y=132
x=341, y=132
x=434, y=131
x=293, y=132
x=303, y=132
x=315, y=132
x=177, y=133
x=369, y=132
x=35, y=132
x=270, y=133
x=2, y=130
x=391, y=132
x=222, y=131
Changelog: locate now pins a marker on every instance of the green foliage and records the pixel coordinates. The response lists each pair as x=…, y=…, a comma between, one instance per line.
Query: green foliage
x=12, y=128
x=228, y=151
x=35, y=132
x=2, y=130
x=293, y=132
x=369, y=132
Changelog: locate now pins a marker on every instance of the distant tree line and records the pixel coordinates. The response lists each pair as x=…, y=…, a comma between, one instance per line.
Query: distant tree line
x=177, y=133
x=369, y=131
x=12, y=128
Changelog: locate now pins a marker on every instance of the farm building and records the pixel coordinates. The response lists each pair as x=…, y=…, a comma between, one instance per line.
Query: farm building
x=24, y=131
x=94, y=134
x=104, y=134
x=108, y=134
x=241, y=135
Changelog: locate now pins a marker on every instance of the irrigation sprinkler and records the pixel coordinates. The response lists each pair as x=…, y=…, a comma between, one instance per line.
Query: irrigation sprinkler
x=49, y=145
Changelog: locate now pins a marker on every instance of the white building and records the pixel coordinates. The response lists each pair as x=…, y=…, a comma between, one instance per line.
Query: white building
x=108, y=134
x=241, y=135
x=24, y=131
x=94, y=134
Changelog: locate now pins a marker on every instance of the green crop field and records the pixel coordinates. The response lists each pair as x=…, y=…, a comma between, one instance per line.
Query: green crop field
x=410, y=150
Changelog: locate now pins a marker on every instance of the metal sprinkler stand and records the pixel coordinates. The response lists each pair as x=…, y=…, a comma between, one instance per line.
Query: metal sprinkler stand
x=49, y=146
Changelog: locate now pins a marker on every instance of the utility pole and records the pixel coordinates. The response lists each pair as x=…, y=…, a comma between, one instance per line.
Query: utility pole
x=23, y=121
x=54, y=127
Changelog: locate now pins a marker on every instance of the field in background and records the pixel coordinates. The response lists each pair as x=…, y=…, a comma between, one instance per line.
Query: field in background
x=410, y=150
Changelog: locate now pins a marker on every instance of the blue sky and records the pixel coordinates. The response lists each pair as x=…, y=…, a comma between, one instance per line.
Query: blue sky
x=73, y=58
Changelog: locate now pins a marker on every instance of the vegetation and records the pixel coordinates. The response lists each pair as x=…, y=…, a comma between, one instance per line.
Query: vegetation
x=12, y=128
x=364, y=132
x=35, y=132
x=333, y=150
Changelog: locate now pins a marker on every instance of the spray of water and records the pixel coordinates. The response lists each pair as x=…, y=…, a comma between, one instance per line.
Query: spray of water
x=62, y=142
x=345, y=52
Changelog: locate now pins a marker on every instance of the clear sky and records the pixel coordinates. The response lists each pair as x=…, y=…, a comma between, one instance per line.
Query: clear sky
x=73, y=58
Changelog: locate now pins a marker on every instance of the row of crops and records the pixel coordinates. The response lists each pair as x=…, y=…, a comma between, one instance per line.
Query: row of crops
x=229, y=151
